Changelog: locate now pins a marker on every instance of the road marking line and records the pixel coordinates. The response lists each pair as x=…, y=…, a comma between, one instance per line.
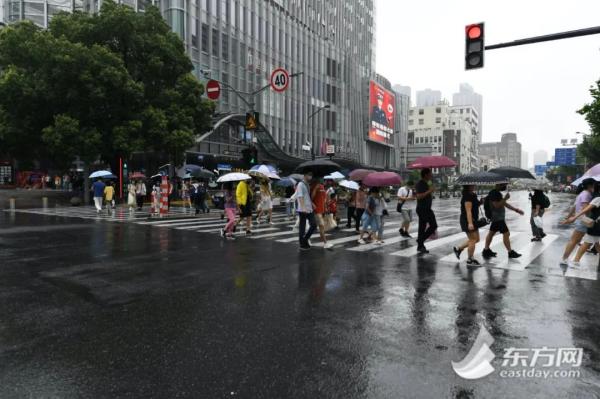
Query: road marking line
x=390, y=241
x=529, y=253
x=412, y=251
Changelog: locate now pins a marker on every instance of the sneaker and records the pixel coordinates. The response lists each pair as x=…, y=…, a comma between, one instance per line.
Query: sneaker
x=230, y=237
x=304, y=247
x=361, y=241
x=407, y=235
x=422, y=250
x=457, y=252
x=271, y=223
x=543, y=235
x=328, y=245
x=222, y=216
x=248, y=232
x=575, y=265
x=513, y=255
x=473, y=262
x=309, y=243
x=536, y=239
x=563, y=262
x=402, y=232
x=222, y=232
x=487, y=253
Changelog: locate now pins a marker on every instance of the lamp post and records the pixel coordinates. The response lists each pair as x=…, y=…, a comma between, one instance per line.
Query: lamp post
x=584, y=158
x=312, y=126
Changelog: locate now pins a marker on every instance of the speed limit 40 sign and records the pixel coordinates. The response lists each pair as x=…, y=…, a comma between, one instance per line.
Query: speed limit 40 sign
x=280, y=79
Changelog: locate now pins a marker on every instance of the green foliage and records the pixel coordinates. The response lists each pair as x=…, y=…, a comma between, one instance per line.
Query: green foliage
x=590, y=148
x=98, y=86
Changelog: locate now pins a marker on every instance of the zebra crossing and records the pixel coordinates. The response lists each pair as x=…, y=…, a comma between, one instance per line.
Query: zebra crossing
x=281, y=230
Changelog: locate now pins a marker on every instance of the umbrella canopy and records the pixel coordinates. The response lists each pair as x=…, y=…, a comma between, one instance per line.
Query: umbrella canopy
x=296, y=176
x=319, y=167
x=593, y=171
x=349, y=184
x=137, y=175
x=512, y=172
x=264, y=172
x=433, y=161
x=359, y=174
x=582, y=178
x=335, y=176
x=230, y=177
x=286, y=182
x=101, y=173
x=381, y=179
x=270, y=168
x=481, y=179
x=201, y=173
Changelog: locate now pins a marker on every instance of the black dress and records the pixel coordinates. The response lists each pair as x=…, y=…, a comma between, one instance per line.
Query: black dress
x=464, y=224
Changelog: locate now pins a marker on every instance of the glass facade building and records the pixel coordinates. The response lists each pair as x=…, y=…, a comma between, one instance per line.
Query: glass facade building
x=239, y=42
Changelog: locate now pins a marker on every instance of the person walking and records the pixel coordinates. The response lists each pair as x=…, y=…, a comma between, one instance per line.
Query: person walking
x=243, y=196
x=427, y=223
x=319, y=200
x=200, y=198
x=405, y=194
x=497, y=205
x=98, y=190
x=140, y=193
x=185, y=195
x=131, y=200
x=305, y=211
x=579, y=231
x=539, y=203
x=109, y=197
x=592, y=222
x=230, y=207
x=381, y=213
x=350, y=208
x=266, y=202
x=290, y=208
x=360, y=203
x=469, y=215
x=369, y=220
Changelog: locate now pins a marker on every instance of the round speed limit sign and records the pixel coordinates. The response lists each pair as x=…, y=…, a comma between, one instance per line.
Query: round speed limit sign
x=280, y=79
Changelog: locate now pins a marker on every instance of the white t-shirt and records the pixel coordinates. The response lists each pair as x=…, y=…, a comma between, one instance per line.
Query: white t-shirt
x=303, y=192
x=405, y=192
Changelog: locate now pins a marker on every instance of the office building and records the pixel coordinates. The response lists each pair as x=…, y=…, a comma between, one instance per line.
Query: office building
x=467, y=96
x=428, y=97
x=507, y=152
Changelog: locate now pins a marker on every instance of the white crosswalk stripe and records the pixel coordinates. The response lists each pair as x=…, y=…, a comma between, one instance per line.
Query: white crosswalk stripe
x=529, y=252
x=412, y=251
x=496, y=245
x=390, y=241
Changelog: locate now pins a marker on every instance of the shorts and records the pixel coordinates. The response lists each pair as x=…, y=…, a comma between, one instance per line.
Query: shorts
x=406, y=215
x=499, y=226
x=266, y=204
x=590, y=239
x=580, y=227
x=320, y=219
x=246, y=211
x=369, y=222
x=464, y=226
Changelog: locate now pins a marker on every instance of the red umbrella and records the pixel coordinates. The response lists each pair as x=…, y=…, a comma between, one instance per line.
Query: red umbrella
x=380, y=179
x=359, y=174
x=137, y=175
x=433, y=161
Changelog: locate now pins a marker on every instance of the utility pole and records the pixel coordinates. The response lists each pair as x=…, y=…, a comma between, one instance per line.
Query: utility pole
x=312, y=126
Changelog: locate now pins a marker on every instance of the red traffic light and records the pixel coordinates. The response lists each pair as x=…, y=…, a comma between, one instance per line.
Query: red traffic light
x=473, y=31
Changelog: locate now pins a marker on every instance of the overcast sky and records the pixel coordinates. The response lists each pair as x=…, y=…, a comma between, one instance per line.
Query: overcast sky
x=533, y=90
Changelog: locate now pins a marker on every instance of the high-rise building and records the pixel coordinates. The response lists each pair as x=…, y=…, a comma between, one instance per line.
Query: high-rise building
x=404, y=90
x=524, y=160
x=540, y=157
x=507, y=152
x=240, y=42
x=467, y=96
x=428, y=97
x=402, y=108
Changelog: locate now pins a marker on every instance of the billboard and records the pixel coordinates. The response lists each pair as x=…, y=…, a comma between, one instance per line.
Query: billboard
x=382, y=105
x=540, y=170
x=565, y=156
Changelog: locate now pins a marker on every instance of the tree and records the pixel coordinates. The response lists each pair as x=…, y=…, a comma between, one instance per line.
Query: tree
x=590, y=148
x=100, y=85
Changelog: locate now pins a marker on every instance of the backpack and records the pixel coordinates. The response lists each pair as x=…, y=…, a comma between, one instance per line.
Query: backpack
x=487, y=207
x=545, y=201
x=193, y=191
x=595, y=215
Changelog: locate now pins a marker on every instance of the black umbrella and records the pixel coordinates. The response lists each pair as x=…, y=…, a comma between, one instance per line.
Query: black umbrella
x=202, y=173
x=319, y=167
x=297, y=177
x=511, y=172
x=481, y=179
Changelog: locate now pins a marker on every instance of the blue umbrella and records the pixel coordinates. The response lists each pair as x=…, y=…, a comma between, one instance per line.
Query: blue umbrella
x=101, y=173
x=286, y=182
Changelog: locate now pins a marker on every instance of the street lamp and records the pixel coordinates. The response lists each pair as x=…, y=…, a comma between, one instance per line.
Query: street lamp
x=312, y=124
x=584, y=158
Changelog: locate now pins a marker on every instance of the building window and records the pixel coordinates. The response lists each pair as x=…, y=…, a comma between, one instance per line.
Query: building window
x=215, y=42
x=421, y=121
x=461, y=111
x=438, y=120
x=411, y=112
x=410, y=121
x=468, y=110
x=224, y=47
x=438, y=110
x=421, y=111
x=234, y=51
x=225, y=79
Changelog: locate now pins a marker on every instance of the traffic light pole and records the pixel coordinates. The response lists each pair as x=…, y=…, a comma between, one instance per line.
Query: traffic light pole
x=546, y=38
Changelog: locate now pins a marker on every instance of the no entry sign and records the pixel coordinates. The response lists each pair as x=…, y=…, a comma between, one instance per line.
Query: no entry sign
x=280, y=79
x=213, y=89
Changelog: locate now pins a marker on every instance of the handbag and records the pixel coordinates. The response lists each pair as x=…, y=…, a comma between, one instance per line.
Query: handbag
x=481, y=222
x=399, y=206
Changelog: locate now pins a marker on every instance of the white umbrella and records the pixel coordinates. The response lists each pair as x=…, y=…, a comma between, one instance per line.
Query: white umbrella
x=349, y=184
x=335, y=176
x=100, y=173
x=235, y=176
x=582, y=178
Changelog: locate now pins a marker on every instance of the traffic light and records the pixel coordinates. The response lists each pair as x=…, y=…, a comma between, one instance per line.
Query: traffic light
x=474, y=46
x=251, y=120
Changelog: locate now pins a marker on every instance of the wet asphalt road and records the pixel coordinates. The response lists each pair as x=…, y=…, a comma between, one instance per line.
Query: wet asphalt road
x=92, y=309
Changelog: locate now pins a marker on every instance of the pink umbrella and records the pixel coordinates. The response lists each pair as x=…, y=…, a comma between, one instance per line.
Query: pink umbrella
x=380, y=179
x=433, y=161
x=593, y=171
x=359, y=174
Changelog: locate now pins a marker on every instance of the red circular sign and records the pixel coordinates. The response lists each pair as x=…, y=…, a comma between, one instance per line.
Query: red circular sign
x=213, y=89
x=280, y=79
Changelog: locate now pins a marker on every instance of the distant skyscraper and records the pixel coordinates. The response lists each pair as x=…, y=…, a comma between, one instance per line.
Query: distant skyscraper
x=428, y=97
x=524, y=160
x=507, y=152
x=467, y=96
x=404, y=90
x=540, y=157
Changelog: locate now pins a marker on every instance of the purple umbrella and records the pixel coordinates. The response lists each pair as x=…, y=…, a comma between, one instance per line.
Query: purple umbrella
x=593, y=171
x=380, y=179
x=359, y=174
x=432, y=161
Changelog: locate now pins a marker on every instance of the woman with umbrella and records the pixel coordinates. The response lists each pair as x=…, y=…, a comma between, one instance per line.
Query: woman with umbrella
x=469, y=215
x=230, y=207
x=266, y=202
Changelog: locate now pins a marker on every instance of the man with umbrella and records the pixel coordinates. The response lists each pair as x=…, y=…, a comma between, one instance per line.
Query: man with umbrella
x=496, y=205
x=427, y=223
x=305, y=211
x=98, y=189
